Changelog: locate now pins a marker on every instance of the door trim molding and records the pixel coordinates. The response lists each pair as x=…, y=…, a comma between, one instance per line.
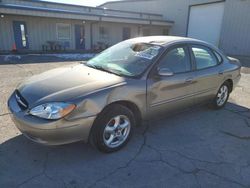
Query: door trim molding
x=182, y=97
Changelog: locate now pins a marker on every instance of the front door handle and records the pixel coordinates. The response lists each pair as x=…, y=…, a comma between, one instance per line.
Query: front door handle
x=189, y=80
x=220, y=73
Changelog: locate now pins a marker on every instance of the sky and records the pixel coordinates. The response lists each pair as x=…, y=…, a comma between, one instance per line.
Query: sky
x=92, y=3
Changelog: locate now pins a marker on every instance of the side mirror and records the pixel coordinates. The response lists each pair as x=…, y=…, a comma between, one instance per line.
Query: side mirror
x=165, y=72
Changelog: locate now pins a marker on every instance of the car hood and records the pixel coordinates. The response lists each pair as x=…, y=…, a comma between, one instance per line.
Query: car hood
x=66, y=84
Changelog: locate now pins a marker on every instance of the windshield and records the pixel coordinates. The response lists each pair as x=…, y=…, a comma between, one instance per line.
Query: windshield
x=127, y=58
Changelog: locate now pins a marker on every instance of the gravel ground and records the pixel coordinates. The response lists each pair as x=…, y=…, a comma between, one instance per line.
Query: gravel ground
x=196, y=148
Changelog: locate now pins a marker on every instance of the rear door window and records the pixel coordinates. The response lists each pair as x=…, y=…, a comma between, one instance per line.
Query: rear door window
x=220, y=60
x=204, y=58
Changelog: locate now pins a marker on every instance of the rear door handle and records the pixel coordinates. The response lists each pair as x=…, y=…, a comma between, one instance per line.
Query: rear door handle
x=189, y=80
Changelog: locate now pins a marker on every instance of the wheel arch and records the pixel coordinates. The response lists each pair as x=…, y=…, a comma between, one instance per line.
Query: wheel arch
x=230, y=83
x=130, y=105
x=133, y=107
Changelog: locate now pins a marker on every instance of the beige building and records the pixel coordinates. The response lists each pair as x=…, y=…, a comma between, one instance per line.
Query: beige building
x=32, y=25
x=225, y=23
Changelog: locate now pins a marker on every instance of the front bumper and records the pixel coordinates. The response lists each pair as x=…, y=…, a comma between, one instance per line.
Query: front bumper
x=49, y=132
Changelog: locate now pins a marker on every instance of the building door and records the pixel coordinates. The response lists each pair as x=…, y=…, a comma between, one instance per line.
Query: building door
x=205, y=22
x=126, y=33
x=146, y=32
x=165, y=32
x=20, y=35
x=80, y=37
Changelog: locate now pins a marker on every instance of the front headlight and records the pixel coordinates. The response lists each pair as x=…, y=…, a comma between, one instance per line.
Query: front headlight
x=53, y=111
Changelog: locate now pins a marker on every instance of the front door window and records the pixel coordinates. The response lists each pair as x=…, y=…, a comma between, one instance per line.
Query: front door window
x=176, y=60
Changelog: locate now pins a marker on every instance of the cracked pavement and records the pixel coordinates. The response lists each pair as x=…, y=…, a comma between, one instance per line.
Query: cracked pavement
x=199, y=147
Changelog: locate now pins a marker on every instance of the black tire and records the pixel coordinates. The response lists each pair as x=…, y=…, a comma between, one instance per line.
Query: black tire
x=218, y=105
x=102, y=121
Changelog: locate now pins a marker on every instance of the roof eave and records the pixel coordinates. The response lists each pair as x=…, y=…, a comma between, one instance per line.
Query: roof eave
x=97, y=17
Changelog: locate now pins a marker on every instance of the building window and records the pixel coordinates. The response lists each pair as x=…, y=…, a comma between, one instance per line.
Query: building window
x=63, y=31
x=126, y=33
x=165, y=32
x=23, y=35
x=104, y=33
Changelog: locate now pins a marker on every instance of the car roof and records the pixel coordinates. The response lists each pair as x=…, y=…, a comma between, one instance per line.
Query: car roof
x=163, y=40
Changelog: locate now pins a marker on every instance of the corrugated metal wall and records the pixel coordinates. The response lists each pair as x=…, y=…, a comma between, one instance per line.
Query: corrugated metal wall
x=40, y=30
x=6, y=34
x=41, y=25
x=235, y=34
x=235, y=38
x=176, y=10
x=116, y=31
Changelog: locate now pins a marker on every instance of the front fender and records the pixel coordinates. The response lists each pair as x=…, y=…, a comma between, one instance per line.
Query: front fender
x=133, y=91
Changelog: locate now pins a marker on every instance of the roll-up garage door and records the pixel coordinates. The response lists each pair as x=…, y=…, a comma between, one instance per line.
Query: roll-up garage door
x=205, y=22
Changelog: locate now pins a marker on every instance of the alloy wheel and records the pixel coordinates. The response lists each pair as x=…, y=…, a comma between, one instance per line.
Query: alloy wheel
x=116, y=131
x=222, y=95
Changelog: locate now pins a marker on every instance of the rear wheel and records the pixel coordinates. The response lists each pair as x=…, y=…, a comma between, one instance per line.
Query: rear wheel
x=222, y=96
x=113, y=128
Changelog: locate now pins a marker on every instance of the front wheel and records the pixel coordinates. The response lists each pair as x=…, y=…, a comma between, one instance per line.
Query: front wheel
x=113, y=128
x=222, y=96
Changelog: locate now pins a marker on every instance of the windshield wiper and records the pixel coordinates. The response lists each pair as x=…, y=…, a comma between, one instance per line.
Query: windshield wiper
x=98, y=67
x=89, y=65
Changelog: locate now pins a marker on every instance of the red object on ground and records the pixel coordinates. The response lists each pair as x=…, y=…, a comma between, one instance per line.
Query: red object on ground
x=14, y=47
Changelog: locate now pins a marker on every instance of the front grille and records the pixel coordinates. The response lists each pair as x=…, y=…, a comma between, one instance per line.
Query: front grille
x=21, y=101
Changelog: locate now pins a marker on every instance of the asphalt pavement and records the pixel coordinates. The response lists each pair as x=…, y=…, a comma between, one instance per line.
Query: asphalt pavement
x=199, y=147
